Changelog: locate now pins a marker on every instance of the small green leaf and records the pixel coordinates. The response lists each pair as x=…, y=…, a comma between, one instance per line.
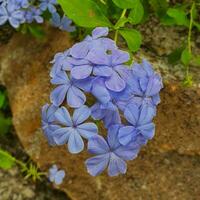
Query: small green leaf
x=121, y=22
x=85, y=13
x=132, y=37
x=137, y=12
x=5, y=124
x=179, y=15
x=6, y=160
x=36, y=31
x=186, y=57
x=124, y=3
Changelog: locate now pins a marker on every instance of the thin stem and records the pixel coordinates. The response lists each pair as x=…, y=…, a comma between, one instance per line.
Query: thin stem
x=117, y=32
x=190, y=35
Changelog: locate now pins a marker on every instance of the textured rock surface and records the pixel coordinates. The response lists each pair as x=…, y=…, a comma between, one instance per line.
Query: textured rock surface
x=167, y=168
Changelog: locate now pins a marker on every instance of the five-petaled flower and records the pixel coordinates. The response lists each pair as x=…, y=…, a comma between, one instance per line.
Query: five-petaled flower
x=109, y=153
x=73, y=129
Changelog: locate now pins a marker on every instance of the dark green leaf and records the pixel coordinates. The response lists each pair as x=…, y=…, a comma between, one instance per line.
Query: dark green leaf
x=2, y=99
x=179, y=15
x=85, y=13
x=36, y=31
x=124, y=3
x=186, y=56
x=133, y=38
x=159, y=7
x=136, y=13
x=5, y=124
x=175, y=56
x=197, y=25
x=6, y=160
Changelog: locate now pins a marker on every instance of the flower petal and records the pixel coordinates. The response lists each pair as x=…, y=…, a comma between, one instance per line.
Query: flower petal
x=147, y=130
x=80, y=50
x=81, y=72
x=131, y=113
x=98, y=145
x=75, y=143
x=112, y=136
x=87, y=130
x=81, y=114
x=116, y=165
x=119, y=57
x=115, y=82
x=60, y=78
x=61, y=135
x=75, y=97
x=102, y=71
x=59, y=177
x=58, y=95
x=99, y=32
x=126, y=134
x=62, y=115
x=97, y=164
x=146, y=114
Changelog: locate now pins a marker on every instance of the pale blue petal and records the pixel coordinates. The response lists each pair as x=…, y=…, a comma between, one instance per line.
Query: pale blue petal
x=61, y=135
x=99, y=32
x=98, y=145
x=97, y=164
x=58, y=95
x=75, y=143
x=147, y=130
x=75, y=97
x=81, y=72
x=116, y=166
x=62, y=115
x=81, y=114
x=115, y=82
x=87, y=130
x=126, y=134
x=132, y=113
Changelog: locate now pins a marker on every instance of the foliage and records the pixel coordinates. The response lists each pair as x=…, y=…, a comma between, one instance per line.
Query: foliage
x=5, y=119
x=30, y=170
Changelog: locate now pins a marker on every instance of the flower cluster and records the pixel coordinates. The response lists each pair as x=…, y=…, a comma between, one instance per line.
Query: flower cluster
x=18, y=12
x=56, y=176
x=125, y=100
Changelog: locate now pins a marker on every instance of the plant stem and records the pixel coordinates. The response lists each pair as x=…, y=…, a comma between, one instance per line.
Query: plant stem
x=190, y=35
x=116, y=32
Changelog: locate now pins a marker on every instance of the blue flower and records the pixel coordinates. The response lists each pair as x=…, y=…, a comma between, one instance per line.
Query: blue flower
x=108, y=113
x=48, y=4
x=62, y=23
x=74, y=128
x=144, y=85
x=111, y=67
x=48, y=122
x=21, y=3
x=109, y=153
x=10, y=13
x=33, y=14
x=67, y=88
x=56, y=176
x=97, y=40
x=140, y=119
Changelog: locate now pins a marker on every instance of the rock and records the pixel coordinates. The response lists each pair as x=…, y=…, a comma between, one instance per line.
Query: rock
x=159, y=172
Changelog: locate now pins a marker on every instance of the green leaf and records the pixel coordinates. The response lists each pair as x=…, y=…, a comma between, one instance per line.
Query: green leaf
x=186, y=57
x=121, y=22
x=5, y=124
x=6, y=160
x=159, y=7
x=2, y=99
x=137, y=12
x=124, y=3
x=175, y=56
x=179, y=15
x=85, y=13
x=36, y=31
x=132, y=37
